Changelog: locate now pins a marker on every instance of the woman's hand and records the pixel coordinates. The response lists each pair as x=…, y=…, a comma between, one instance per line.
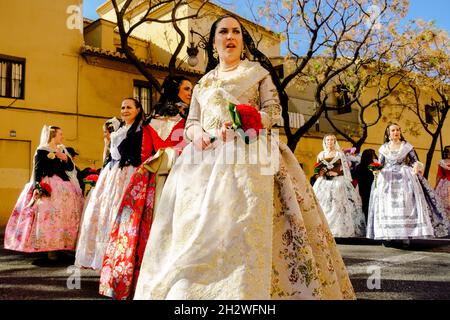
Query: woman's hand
x=322, y=172
x=203, y=141
x=36, y=194
x=225, y=132
x=61, y=156
x=418, y=168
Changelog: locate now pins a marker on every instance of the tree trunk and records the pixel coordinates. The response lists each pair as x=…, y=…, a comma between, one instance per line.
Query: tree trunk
x=430, y=154
x=361, y=140
x=292, y=143
x=435, y=138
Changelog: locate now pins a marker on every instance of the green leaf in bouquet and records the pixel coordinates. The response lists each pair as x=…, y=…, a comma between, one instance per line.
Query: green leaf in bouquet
x=235, y=117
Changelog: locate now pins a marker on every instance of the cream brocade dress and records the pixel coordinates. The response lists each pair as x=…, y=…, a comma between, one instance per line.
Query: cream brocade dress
x=225, y=230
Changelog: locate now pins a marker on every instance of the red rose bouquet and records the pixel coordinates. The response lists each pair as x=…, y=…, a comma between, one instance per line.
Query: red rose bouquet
x=91, y=179
x=375, y=166
x=246, y=121
x=43, y=189
x=318, y=167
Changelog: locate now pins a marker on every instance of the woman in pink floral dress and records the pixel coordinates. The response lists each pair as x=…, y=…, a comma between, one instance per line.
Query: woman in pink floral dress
x=47, y=214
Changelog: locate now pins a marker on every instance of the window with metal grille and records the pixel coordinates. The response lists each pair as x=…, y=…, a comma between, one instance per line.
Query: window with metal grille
x=144, y=92
x=12, y=77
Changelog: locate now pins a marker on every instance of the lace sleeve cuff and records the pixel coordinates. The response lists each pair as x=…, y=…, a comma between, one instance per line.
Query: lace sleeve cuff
x=270, y=115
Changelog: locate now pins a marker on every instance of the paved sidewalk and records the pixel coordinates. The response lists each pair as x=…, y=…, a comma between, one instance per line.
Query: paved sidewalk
x=21, y=280
x=420, y=272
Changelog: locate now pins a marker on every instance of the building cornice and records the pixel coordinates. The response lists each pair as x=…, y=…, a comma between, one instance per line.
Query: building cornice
x=89, y=52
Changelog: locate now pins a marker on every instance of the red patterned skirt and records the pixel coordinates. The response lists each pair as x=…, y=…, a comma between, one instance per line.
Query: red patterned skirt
x=129, y=235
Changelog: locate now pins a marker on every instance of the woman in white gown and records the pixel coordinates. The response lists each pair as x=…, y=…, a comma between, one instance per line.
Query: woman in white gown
x=245, y=229
x=339, y=200
x=403, y=205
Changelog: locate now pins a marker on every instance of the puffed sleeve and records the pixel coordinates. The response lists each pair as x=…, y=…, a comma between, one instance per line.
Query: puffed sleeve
x=270, y=108
x=193, y=119
x=413, y=156
x=381, y=159
x=147, y=148
x=40, y=165
x=68, y=165
x=414, y=161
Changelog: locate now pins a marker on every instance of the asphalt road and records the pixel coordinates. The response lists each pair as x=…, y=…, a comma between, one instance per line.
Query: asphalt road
x=377, y=273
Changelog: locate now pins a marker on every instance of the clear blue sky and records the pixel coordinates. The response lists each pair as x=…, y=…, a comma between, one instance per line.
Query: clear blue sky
x=437, y=10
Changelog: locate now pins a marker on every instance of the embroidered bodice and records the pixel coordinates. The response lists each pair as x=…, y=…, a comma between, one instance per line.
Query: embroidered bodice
x=335, y=166
x=249, y=83
x=405, y=155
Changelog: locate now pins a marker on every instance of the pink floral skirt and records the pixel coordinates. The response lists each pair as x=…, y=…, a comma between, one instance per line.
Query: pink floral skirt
x=48, y=224
x=443, y=191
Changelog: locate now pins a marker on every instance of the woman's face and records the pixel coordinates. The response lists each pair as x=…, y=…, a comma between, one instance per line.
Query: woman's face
x=185, y=92
x=59, y=137
x=394, y=132
x=106, y=134
x=128, y=111
x=228, y=40
x=330, y=142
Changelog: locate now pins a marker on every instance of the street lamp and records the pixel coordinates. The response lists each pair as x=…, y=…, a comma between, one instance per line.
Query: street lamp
x=192, y=50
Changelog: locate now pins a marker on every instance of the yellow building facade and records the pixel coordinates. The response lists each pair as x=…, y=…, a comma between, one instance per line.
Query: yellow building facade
x=68, y=72
x=63, y=82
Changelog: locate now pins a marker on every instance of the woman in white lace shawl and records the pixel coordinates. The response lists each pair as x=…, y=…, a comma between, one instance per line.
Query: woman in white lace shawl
x=402, y=204
x=338, y=198
x=229, y=224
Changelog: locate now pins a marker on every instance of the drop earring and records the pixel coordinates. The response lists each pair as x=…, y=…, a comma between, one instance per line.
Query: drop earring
x=215, y=53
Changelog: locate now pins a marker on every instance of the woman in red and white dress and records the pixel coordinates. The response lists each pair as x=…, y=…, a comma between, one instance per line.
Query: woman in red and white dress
x=161, y=144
